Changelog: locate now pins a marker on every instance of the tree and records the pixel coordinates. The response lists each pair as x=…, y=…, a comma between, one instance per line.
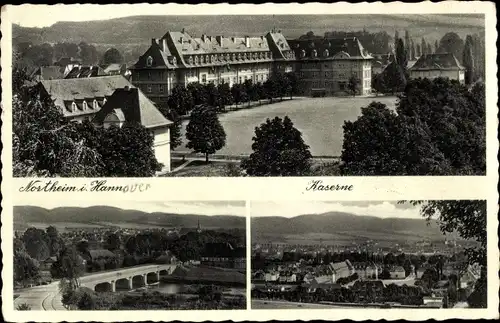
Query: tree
x=394, y=78
x=204, y=132
x=468, y=219
x=198, y=93
x=113, y=242
x=407, y=45
x=213, y=96
x=378, y=83
x=401, y=55
x=451, y=43
x=88, y=54
x=175, y=128
x=26, y=269
x=423, y=137
x=181, y=100
x=293, y=82
x=69, y=267
x=226, y=98
x=278, y=150
x=36, y=242
x=468, y=60
x=112, y=56
x=128, y=151
x=44, y=142
x=55, y=242
x=423, y=44
x=271, y=88
x=412, y=51
x=352, y=85
x=238, y=93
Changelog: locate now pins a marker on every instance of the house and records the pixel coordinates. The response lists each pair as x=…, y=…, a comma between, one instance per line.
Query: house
x=81, y=98
x=130, y=105
x=271, y=276
x=398, y=272
x=432, y=66
x=116, y=69
x=341, y=269
x=47, y=263
x=223, y=254
x=325, y=65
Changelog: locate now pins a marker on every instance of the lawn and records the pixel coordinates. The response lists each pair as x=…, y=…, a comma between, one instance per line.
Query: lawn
x=319, y=119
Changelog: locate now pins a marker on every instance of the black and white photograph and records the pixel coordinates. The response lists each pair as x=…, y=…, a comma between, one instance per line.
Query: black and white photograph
x=146, y=93
x=130, y=256
x=369, y=254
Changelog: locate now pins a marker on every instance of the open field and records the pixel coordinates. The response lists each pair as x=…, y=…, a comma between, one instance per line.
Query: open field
x=319, y=119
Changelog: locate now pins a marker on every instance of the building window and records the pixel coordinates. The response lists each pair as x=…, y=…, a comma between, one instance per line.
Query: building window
x=149, y=75
x=104, y=101
x=149, y=88
x=73, y=107
x=162, y=88
x=85, y=106
x=241, y=79
x=203, y=78
x=174, y=60
x=190, y=60
x=196, y=59
x=149, y=61
x=94, y=104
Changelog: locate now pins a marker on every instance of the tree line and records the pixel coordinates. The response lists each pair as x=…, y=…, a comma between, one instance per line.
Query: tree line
x=47, y=54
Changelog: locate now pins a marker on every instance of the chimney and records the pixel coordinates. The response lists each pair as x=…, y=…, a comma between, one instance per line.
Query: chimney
x=247, y=41
x=127, y=88
x=220, y=40
x=153, y=41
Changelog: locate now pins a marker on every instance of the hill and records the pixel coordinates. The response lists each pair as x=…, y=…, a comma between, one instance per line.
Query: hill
x=105, y=216
x=138, y=30
x=341, y=227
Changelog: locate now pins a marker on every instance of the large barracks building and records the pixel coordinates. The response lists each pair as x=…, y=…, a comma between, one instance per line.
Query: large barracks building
x=324, y=66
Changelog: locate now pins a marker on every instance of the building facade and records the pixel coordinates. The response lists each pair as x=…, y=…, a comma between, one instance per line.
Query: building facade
x=179, y=58
x=324, y=66
x=432, y=66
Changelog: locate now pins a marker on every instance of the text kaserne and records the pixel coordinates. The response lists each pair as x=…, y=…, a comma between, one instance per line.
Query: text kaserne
x=317, y=185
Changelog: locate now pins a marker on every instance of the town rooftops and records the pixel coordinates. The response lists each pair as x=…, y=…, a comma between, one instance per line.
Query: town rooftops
x=66, y=91
x=329, y=48
x=131, y=105
x=85, y=71
x=338, y=266
x=441, y=61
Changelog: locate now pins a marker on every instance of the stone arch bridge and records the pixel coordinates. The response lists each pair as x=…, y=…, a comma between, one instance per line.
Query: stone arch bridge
x=126, y=278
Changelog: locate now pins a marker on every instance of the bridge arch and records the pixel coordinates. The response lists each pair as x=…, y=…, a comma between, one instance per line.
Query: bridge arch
x=138, y=281
x=153, y=277
x=105, y=287
x=124, y=283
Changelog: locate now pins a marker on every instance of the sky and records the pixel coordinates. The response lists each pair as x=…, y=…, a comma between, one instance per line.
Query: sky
x=381, y=209
x=180, y=207
x=47, y=15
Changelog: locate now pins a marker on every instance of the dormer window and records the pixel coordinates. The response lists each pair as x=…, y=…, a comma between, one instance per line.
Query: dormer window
x=190, y=60
x=174, y=60
x=326, y=53
x=196, y=59
x=233, y=57
x=314, y=53
x=149, y=61
x=302, y=53
x=94, y=104
x=239, y=56
x=104, y=101
x=73, y=107
x=85, y=106
x=227, y=57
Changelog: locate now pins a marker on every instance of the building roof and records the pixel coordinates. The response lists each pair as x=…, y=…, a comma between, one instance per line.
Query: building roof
x=338, y=266
x=85, y=71
x=397, y=268
x=66, y=91
x=114, y=68
x=96, y=253
x=441, y=61
x=329, y=48
x=131, y=105
x=180, y=49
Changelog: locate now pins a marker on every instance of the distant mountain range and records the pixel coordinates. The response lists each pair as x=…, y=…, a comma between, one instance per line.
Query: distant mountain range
x=104, y=215
x=344, y=225
x=138, y=30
